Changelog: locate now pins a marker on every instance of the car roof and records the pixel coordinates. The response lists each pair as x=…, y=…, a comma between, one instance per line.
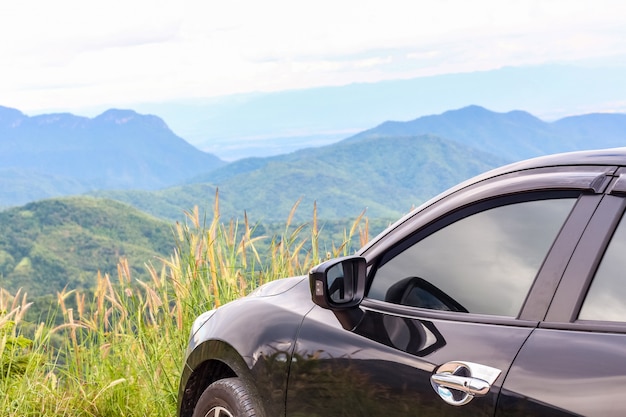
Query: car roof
x=614, y=156
x=600, y=157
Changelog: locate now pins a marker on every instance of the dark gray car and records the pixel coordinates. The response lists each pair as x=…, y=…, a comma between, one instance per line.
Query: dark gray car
x=504, y=296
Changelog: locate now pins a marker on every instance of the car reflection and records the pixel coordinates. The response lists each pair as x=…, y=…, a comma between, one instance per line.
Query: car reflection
x=417, y=292
x=417, y=337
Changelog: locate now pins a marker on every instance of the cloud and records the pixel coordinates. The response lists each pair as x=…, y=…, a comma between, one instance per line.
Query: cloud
x=120, y=51
x=40, y=26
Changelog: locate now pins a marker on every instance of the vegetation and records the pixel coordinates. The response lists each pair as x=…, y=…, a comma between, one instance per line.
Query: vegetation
x=55, y=244
x=52, y=244
x=384, y=175
x=118, y=351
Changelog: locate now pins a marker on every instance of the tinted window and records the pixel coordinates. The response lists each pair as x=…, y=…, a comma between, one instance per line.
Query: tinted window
x=484, y=263
x=606, y=299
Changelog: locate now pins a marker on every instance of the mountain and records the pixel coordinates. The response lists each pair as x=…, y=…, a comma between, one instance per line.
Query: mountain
x=601, y=128
x=62, y=244
x=51, y=244
x=386, y=176
x=60, y=154
x=514, y=135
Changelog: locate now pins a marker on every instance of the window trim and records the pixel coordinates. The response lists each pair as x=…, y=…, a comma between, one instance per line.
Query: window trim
x=542, y=291
x=466, y=211
x=385, y=307
x=579, y=211
x=586, y=326
x=591, y=179
x=572, y=290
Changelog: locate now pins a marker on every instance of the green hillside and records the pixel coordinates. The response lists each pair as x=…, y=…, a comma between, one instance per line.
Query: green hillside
x=55, y=244
x=385, y=176
x=48, y=245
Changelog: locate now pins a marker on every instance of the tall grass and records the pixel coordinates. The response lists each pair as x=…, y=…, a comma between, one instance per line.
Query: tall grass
x=119, y=350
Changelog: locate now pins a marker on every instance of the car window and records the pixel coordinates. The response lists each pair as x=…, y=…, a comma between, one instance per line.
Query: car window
x=484, y=263
x=606, y=298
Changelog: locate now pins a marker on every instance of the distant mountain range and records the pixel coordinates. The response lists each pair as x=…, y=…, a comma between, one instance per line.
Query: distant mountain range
x=388, y=169
x=274, y=123
x=59, y=154
x=514, y=135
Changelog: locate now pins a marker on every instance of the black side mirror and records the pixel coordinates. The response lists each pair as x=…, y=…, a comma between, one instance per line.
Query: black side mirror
x=339, y=283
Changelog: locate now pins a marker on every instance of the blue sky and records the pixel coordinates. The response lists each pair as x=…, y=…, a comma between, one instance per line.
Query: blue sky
x=86, y=56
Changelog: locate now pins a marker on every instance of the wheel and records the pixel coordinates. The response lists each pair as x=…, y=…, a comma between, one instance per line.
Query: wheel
x=225, y=398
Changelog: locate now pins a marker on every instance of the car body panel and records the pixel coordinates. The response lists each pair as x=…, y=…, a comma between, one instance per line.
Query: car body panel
x=581, y=364
x=566, y=372
x=259, y=354
x=383, y=367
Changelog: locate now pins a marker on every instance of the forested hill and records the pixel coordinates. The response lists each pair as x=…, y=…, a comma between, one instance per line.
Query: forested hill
x=384, y=176
x=51, y=244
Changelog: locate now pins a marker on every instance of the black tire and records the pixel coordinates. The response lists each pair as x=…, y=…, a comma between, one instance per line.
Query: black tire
x=225, y=398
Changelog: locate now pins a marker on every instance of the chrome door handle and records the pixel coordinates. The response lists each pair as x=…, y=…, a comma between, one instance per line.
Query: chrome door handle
x=458, y=382
x=473, y=386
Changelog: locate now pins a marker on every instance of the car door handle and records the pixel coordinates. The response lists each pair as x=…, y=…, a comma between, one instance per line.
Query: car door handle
x=473, y=386
x=458, y=382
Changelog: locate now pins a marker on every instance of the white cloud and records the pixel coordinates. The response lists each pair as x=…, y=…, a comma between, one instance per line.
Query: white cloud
x=76, y=53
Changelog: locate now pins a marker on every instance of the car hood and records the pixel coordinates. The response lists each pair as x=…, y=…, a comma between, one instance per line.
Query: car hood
x=277, y=287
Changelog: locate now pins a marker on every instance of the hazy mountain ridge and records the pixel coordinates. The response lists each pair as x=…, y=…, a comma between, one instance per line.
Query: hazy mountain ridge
x=514, y=135
x=119, y=149
x=393, y=166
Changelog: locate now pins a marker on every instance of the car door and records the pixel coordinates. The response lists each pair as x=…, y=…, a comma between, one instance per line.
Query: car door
x=575, y=362
x=448, y=305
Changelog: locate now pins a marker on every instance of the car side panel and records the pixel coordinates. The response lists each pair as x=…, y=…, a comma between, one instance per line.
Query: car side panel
x=383, y=367
x=570, y=366
x=566, y=372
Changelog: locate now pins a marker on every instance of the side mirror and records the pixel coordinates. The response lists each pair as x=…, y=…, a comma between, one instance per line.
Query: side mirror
x=339, y=283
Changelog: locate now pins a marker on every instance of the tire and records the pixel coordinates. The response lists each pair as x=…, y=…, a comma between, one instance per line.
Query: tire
x=225, y=398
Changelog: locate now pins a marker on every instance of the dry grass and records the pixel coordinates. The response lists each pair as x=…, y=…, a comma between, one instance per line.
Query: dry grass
x=118, y=352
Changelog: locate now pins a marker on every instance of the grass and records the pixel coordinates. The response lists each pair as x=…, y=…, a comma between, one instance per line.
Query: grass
x=119, y=349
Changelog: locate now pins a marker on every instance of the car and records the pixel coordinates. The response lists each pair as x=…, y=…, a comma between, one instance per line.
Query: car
x=503, y=296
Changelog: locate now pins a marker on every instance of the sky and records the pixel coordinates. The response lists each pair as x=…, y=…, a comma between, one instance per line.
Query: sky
x=84, y=56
